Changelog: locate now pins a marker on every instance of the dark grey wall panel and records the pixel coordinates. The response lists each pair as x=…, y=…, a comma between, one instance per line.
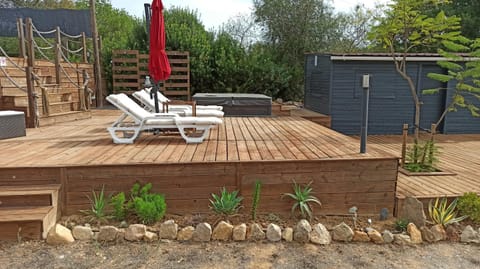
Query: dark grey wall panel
x=461, y=121
x=317, y=83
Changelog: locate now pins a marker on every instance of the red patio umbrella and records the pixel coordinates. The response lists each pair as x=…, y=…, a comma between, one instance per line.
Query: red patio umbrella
x=158, y=64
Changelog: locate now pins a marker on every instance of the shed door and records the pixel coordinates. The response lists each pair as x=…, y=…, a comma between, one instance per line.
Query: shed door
x=433, y=105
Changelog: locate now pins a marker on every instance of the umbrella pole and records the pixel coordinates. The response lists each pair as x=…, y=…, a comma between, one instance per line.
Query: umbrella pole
x=156, y=86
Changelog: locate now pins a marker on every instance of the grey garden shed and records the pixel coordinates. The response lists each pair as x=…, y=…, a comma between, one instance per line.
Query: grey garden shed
x=333, y=86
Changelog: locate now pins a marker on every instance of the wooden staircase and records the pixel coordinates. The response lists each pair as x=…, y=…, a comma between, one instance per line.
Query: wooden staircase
x=27, y=212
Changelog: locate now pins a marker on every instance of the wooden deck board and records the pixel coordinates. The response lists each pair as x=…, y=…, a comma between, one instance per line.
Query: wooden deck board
x=458, y=154
x=86, y=142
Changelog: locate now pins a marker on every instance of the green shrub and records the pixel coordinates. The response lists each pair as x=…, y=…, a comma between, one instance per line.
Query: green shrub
x=118, y=204
x=227, y=203
x=303, y=199
x=401, y=225
x=469, y=205
x=149, y=207
x=442, y=214
x=256, y=198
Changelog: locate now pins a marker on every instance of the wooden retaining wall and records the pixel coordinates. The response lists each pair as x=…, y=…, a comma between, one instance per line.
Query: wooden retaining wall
x=368, y=184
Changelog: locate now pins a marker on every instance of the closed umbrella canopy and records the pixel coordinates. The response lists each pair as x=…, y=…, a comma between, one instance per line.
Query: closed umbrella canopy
x=158, y=64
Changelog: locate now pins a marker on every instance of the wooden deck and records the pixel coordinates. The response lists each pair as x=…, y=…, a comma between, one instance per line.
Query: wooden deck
x=81, y=156
x=87, y=142
x=458, y=154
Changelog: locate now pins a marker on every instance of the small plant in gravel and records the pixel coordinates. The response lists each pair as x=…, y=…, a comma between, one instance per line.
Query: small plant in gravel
x=303, y=198
x=98, y=206
x=442, y=213
x=256, y=198
x=469, y=205
x=118, y=204
x=149, y=207
x=401, y=225
x=227, y=203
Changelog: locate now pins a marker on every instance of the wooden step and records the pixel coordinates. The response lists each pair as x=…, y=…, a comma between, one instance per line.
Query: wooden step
x=28, y=211
x=64, y=117
x=61, y=107
x=20, y=223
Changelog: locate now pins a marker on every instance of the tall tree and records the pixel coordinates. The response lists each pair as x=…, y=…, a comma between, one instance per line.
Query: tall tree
x=293, y=27
x=467, y=10
x=44, y=4
x=405, y=29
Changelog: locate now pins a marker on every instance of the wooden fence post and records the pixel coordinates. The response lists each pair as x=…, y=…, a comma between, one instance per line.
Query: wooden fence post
x=58, y=56
x=32, y=112
x=404, y=144
x=21, y=38
x=84, y=45
x=433, y=131
x=96, y=52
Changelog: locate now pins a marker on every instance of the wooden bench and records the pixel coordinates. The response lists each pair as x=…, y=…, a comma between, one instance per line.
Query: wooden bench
x=27, y=211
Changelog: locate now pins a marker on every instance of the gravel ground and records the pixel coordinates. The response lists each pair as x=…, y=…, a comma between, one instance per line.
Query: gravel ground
x=164, y=254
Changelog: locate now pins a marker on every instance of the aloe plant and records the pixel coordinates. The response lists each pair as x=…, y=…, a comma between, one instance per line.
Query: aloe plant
x=227, y=203
x=444, y=214
x=303, y=198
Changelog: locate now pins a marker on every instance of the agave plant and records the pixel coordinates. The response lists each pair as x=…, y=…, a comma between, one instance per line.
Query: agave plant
x=227, y=203
x=442, y=214
x=303, y=198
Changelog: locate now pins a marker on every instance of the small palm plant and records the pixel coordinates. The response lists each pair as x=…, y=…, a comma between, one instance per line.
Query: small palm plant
x=303, y=198
x=442, y=214
x=227, y=203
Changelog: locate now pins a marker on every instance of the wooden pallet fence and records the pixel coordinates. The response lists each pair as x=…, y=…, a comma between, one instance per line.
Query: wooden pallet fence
x=130, y=68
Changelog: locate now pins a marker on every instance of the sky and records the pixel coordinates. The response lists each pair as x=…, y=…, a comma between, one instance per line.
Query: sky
x=215, y=12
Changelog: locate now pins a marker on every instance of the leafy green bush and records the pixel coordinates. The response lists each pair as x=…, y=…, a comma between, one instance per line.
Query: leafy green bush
x=227, y=203
x=303, y=198
x=149, y=207
x=256, y=198
x=469, y=205
x=442, y=214
x=118, y=204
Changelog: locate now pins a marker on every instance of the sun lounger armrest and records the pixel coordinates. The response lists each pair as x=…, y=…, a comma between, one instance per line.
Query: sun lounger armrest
x=181, y=102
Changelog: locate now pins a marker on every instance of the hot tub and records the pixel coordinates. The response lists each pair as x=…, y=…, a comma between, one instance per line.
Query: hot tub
x=237, y=104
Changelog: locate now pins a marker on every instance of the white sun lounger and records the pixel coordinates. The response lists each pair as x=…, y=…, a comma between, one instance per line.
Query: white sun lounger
x=144, y=120
x=183, y=110
x=162, y=99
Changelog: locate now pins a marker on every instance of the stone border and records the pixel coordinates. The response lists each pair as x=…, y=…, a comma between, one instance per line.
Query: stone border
x=303, y=232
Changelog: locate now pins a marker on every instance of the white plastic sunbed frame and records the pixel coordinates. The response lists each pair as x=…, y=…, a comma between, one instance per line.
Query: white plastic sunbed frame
x=163, y=100
x=182, y=110
x=144, y=120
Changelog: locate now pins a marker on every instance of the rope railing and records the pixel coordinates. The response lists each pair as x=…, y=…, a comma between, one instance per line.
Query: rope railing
x=70, y=36
x=11, y=61
x=40, y=50
x=72, y=51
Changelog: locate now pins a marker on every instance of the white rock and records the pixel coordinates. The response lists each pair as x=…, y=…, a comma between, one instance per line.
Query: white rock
x=185, y=234
x=82, y=233
x=239, y=232
x=150, y=236
x=59, y=235
x=223, y=231
x=203, y=232
x=302, y=230
x=168, y=230
x=320, y=235
x=287, y=234
x=256, y=232
x=135, y=232
x=274, y=233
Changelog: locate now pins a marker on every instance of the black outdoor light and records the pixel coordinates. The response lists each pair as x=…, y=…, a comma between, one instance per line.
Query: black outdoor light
x=365, y=98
